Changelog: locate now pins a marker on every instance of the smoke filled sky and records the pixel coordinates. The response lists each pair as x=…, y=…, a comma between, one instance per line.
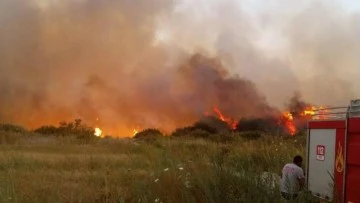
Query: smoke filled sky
x=163, y=63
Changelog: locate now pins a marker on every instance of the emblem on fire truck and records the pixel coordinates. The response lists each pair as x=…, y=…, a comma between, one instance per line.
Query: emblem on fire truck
x=339, y=162
x=320, y=152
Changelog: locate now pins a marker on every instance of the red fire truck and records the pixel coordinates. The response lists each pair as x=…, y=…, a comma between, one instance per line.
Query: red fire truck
x=333, y=154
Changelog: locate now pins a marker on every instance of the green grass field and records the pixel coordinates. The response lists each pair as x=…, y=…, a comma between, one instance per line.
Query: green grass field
x=37, y=168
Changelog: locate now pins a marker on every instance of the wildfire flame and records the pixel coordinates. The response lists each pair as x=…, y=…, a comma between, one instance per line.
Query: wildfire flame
x=309, y=112
x=135, y=131
x=288, y=117
x=98, y=132
x=229, y=121
x=313, y=110
x=289, y=122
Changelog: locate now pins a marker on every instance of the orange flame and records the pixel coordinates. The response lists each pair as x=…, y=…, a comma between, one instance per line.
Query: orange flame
x=98, y=132
x=229, y=121
x=289, y=123
x=135, y=131
x=313, y=110
x=309, y=111
x=306, y=113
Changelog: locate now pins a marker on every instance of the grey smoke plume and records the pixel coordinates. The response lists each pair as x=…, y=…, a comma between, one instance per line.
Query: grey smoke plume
x=283, y=46
x=163, y=63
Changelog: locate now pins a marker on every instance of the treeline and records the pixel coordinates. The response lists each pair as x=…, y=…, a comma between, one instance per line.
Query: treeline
x=74, y=128
x=207, y=128
x=214, y=129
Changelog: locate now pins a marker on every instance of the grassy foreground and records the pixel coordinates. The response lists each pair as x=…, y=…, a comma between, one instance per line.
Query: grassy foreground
x=36, y=168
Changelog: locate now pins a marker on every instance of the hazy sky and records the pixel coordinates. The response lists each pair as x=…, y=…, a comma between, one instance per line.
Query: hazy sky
x=287, y=8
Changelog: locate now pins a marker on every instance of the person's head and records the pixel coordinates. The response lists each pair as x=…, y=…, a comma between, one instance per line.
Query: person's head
x=298, y=160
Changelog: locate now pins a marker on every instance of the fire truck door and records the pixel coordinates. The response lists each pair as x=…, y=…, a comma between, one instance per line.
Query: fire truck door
x=321, y=162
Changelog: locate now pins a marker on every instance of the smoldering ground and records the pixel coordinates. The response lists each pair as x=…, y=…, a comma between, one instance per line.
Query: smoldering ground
x=163, y=63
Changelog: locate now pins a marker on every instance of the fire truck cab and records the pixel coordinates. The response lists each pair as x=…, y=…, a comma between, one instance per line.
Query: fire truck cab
x=333, y=154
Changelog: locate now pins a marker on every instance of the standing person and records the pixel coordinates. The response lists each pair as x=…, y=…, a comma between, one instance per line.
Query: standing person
x=292, y=178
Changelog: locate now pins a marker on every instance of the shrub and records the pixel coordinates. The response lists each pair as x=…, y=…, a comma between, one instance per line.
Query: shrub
x=200, y=133
x=182, y=132
x=209, y=128
x=258, y=124
x=204, y=127
x=212, y=125
x=75, y=128
x=12, y=128
x=148, y=135
x=47, y=130
x=193, y=132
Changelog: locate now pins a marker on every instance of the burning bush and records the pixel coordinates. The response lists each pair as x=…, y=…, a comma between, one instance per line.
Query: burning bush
x=298, y=114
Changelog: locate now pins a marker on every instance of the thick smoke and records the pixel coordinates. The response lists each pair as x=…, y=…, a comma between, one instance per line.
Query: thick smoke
x=176, y=97
x=283, y=46
x=162, y=63
x=296, y=105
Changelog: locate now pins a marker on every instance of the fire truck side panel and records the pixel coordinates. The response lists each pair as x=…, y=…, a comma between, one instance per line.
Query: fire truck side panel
x=332, y=127
x=333, y=124
x=321, y=166
x=352, y=184
x=353, y=161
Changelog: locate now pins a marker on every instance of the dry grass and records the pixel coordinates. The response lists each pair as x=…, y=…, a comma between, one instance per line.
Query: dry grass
x=35, y=168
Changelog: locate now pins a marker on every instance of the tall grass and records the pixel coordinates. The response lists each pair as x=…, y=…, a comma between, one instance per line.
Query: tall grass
x=36, y=168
